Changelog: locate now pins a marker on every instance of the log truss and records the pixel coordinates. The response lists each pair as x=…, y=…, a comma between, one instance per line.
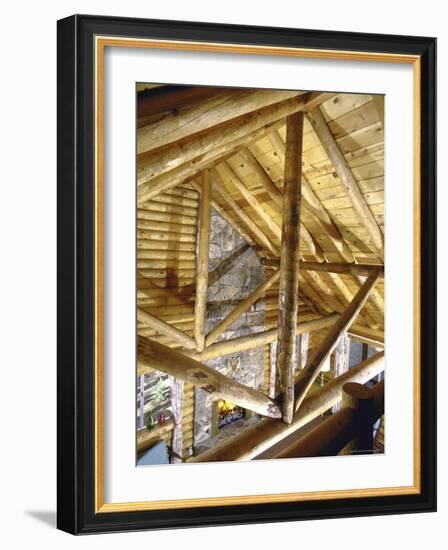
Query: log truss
x=233, y=152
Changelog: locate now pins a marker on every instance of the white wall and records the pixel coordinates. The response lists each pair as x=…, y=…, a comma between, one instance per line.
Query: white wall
x=28, y=268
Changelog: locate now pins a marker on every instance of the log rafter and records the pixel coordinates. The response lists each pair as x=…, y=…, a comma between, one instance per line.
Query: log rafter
x=362, y=270
x=252, y=441
x=164, y=328
x=289, y=265
x=205, y=114
x=312, y=204
x=157, y=173
x=310, y=372
x=155, y=356
x=345, y=174
x=258, y=339
x=236, y=313
x=224, y=195
x=202, y=262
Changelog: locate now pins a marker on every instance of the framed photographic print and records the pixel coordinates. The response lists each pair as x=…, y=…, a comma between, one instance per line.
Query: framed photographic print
x=246, y=274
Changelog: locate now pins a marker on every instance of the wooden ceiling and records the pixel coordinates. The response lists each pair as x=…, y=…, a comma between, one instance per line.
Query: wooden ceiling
x=342, y=211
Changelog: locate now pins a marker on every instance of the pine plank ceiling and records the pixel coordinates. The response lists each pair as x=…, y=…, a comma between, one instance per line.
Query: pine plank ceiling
x=248, y=174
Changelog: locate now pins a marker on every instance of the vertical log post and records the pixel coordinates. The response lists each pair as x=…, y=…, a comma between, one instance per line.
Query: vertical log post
x=360, y=399
x=141, y=423
x=309, y=374
x=177, y=401
x=202, y=262
x=272, y=368
x=303, y=350
x=341, y=361
x=289, y=264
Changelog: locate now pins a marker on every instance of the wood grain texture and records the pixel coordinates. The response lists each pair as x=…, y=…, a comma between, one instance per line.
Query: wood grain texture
x=309, y=374
x=202, y=261
x=345, y=174
x=254, y=440
x=289, y=265
x=153, y=355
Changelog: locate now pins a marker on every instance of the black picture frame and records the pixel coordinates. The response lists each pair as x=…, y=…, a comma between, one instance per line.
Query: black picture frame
x=76, y=254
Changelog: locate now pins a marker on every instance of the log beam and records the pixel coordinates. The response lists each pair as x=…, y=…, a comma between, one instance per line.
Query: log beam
x=362, y=270
x=309, y=374
x=247, y=158
x=149, y=189
x=258, y=339
x=379, y=104
x=202, y=261
x=155, y=356
x=345, y=174
x=289, y=265
x=227, y=173
x=241, y=308
x=341, y=361
x=258, y=438
x=313, y=205
x=205, y=114
x=170, y=157
x=330, y=437
x=164, y=328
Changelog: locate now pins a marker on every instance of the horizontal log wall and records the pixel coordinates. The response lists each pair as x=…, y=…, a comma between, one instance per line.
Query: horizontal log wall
x=166, y=254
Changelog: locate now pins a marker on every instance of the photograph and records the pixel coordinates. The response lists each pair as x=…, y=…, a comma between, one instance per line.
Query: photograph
x=260, y=223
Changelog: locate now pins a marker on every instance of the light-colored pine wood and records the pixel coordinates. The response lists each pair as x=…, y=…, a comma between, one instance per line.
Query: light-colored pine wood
x=227, y=173
x=177, y=402
x=152, y=355
x=148, y=189
x=341, y=361
x=345, y=174
x=379, y=104
x=203, y=115
x=202, y=261
x=311, y=203
x=311, y=371
x=177, y=154
x=304, y=342
x=362, y=270
x=246, y=159
x=335, y=243
x=258, y=339
x=289, y=265
x=253, y=228
x=164, y=328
